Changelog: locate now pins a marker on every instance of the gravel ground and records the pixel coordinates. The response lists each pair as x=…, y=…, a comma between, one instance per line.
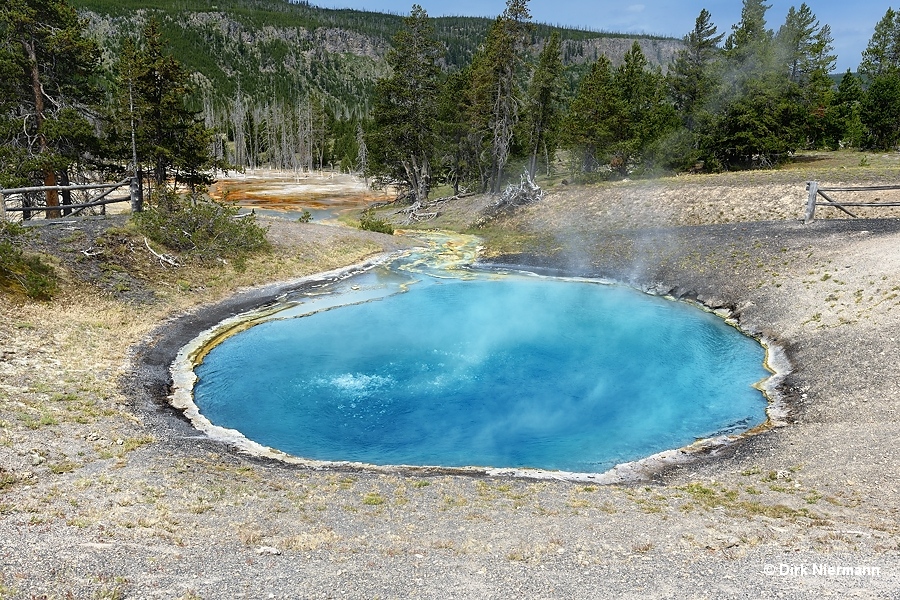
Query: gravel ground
x=105, y=492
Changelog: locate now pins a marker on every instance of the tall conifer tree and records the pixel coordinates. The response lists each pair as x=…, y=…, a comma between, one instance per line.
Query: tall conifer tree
x=402, y=143
x=691, y=79
x=51, y=67
x=882, y=55
x=170, y=137
x=495, y=89
x=543, y=108
x=591, y=124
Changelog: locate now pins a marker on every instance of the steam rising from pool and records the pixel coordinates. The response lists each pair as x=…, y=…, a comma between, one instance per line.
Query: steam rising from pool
x=483, y=370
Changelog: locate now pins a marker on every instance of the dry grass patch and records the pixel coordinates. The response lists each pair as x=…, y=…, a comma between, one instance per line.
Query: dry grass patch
x=311, y=540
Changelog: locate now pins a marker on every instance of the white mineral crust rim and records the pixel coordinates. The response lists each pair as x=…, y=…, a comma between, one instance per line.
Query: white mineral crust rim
x=184, y=378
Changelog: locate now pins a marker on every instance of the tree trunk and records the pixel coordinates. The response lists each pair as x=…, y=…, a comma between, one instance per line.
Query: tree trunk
x=532, y=163
x=533, y=158
x=52, y=196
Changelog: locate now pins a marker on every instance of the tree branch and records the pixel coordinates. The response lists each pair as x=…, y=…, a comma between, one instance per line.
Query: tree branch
x=163, y=258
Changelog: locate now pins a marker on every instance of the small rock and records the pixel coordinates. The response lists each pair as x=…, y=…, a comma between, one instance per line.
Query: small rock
x=36, y=459
x=120, y=442
x=268, y=551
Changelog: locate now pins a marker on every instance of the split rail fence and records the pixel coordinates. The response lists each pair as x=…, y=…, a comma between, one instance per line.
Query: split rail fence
x=134, y=196
x=815, y=191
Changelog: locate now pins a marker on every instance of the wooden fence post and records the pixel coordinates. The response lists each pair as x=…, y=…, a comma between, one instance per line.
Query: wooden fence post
x=813, y=187
x=2, y=207
x=137, y=200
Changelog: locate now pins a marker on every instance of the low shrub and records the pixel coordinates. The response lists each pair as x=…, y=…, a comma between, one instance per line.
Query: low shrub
x=22, y=273
x=370, y=222
x=202, y=228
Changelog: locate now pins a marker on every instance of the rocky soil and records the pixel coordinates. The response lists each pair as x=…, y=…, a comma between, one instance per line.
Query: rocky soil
x=107, y=493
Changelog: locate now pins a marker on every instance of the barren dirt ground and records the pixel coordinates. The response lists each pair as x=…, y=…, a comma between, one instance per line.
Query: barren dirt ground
x=106, y=493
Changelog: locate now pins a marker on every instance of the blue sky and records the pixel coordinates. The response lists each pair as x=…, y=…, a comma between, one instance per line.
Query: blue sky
x=852, y=22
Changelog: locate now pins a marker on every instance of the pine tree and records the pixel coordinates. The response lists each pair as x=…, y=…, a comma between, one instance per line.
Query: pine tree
x=495, y=89
x=880, y=111
x=402, y=143
x=647, y=114
x=882, y=55
x=458, y=148
x=691, y=79
x=806, y=54
x=843, y=123
x=617, y=115
x=543, y=108
x=590, y=127
x=805, y=46
x=49, y=69
x=749, y=48
x=761, y=117
x=170, y=137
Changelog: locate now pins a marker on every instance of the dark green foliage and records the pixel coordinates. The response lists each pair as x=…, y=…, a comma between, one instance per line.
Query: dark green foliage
x=882, y=55
x=544, y=105
x=370, y=222
x=805, y=49
x=773, y=97
x=880, y=112
x=692, y=79
x=804, y=46
x=648, y=114
x=495, y=91
x=346, y=147
x=48, y=91
x=844, y=125
x=203, y=229
x=457, y=158
x=619, y=115
x=879, y=109
x=759, y=128
x=403, y=136
x=749, y=47
x=171, y=138
x=692, y=82
x=589, y=127
x=21, y=273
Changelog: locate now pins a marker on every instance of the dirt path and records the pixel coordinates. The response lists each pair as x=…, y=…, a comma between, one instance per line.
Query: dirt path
x=105, y=494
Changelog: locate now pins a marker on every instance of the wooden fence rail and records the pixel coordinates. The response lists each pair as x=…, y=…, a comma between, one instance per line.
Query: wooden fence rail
x=134, y=196
x=815, y=191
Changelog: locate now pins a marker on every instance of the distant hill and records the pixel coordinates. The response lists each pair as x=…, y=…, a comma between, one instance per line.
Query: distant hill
x=273, y=50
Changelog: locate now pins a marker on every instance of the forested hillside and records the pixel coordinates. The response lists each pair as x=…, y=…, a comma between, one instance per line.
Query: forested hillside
x=267, y=67
x=280, y=51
